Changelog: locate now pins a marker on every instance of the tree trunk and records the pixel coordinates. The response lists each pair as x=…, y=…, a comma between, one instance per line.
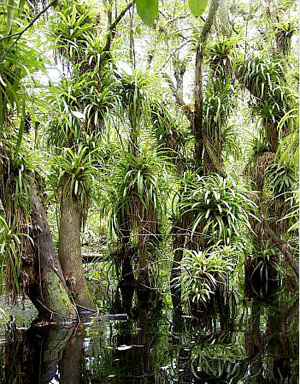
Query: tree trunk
x=143, y=283
x=201, y=141
x=127, y=284
x=46, y=284
x=178, y=244
x=69, y=253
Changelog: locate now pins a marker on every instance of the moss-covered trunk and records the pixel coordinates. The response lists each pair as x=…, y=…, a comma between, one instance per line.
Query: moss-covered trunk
x=69, y=253
x=46, y=284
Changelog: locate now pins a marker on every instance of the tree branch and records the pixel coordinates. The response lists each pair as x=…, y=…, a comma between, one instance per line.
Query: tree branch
x=178, y=97
x=19, y=34
x=198, y=91
x=173, y=53
x=283, y=246
x=112, y=27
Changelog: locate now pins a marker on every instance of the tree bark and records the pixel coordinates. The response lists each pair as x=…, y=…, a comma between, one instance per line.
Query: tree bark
x=198, y=89
x=47, y=287
x=69, y=253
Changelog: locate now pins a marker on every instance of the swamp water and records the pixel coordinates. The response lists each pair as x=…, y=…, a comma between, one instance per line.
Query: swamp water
x=250, y=342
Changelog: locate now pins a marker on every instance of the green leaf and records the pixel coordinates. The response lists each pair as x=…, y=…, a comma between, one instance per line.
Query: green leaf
x=197, y=7
x=10, y=12
x=147, y=10
x=79, y=115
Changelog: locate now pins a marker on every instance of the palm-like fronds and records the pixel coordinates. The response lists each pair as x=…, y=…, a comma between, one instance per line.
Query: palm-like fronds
x=70, y=29
x=220, y=56
x=16, y=68
x=218, y=104
x=202, y=272
x=220, y=208
x=260, y=75
x=284, y=32
x=135, y=195
x=11, y=249
x=283, y=179
x=289, y=146
x=16, y=167
x=73, y=174
x=266, y=259
x=80, y=107
x=165, y=129
x=271, y=98
x=135, y=93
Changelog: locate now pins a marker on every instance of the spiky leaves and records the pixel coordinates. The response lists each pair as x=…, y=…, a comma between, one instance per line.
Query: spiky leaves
x=272, y=99
x=81, y=107
x=219, y=208
x=11, y=242
x=70, y=29
x=73, y=174
x=135, y=94
x=136, y=192
x=284, y=31
x=220, y=56
x=16, y=169
x=202, y=272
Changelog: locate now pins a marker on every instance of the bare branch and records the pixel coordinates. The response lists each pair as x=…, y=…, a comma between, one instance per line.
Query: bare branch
x=173, y=53
x=112, y=27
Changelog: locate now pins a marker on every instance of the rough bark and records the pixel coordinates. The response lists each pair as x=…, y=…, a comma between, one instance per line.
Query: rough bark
x=224, y=18
x=47, y=288
x=69, y=253
x=201, y=140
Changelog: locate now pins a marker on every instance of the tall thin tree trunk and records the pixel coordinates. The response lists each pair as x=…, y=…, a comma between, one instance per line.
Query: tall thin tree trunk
x=69, y=252
x=127, y=283
x=178, y=244
x=143, y=286
x=201, y=140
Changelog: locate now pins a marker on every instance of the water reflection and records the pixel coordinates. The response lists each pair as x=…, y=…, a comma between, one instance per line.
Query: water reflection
x=258, y=343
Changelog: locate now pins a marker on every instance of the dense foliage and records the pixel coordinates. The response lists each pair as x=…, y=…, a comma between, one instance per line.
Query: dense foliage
x=176, y=143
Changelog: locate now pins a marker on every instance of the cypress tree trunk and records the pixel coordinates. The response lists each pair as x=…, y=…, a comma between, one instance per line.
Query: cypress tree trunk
x=69, y=253
x=46, y=284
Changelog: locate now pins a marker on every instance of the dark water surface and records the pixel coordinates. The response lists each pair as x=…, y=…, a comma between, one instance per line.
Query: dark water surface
x=253, y=342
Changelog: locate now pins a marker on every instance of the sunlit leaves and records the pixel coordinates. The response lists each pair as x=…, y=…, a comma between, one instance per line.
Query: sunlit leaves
x=197, y=7
x=202, y=272
x=73, y=173
x=218, y=206
x=135, y=190
x=147, y=10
